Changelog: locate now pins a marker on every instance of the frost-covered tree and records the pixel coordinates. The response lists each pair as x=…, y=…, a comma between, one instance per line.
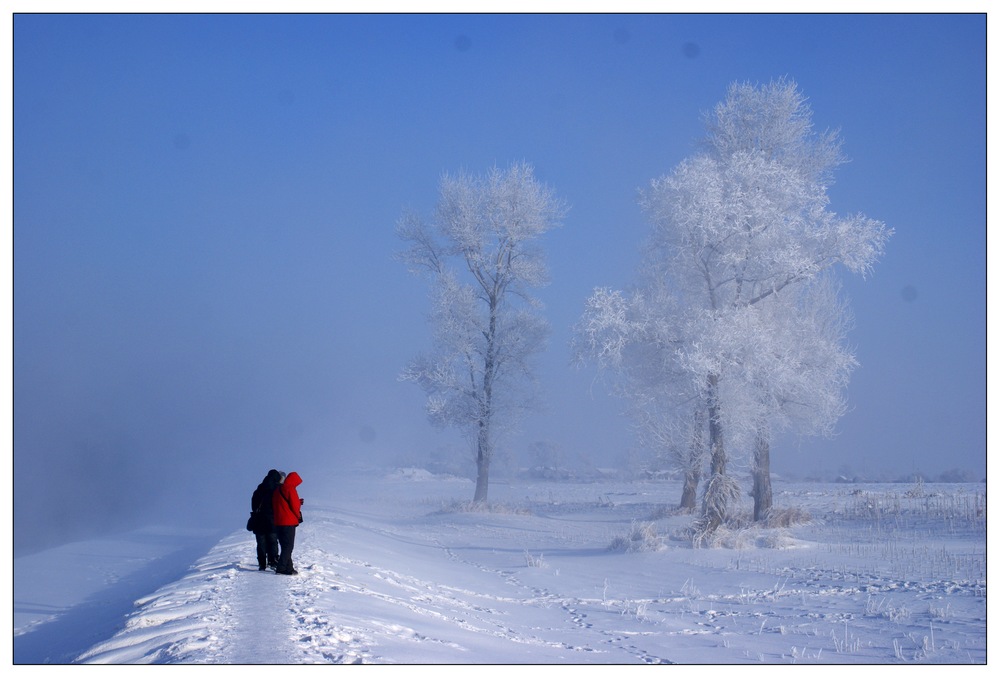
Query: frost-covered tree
x=791, y=371
x=482, y=256
x=739, y=231
x=634, y=339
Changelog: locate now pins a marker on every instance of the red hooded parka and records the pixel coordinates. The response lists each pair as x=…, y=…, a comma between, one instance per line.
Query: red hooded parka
x=287, y=505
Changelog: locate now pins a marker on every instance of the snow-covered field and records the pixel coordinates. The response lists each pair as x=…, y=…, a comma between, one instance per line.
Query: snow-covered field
x=394, y=570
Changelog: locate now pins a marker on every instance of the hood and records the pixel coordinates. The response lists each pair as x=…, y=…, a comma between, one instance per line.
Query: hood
x=292, y=480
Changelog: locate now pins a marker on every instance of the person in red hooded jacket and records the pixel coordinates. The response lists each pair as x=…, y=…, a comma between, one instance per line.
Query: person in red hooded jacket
x=287, y=516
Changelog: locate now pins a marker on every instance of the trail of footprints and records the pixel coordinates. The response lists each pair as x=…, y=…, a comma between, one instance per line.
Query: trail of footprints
x=321, y=640
x=570, y=606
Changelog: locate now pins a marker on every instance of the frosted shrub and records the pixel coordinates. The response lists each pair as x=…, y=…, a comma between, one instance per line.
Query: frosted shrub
x=885, y=609
x=724, y=537
x=641, y=537
x=533, y=561
x=741, y=531
x=722, y=492
x=733, y=533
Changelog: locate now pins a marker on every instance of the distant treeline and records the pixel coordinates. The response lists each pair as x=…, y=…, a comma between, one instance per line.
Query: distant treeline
x=954, y=475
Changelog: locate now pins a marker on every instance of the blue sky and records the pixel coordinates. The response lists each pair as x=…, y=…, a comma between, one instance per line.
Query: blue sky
x=204, y=209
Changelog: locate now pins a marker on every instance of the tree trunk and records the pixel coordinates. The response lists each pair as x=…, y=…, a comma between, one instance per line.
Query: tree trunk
x=484, y=443
x=689, y=494
x=762, y=497
x=484, y=453
x=715, y=441
x=482, y=475
x=692, y=469
x=715, y=504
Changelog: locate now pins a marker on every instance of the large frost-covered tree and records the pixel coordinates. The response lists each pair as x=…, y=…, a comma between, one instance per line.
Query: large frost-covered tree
x=482, y=255
x=740, y=233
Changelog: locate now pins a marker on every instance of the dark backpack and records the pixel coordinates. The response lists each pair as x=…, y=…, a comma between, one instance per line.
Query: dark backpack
x=257, y=513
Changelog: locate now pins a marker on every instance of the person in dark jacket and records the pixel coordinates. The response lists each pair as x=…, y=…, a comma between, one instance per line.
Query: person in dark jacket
x=263, y=520
x=287, y=516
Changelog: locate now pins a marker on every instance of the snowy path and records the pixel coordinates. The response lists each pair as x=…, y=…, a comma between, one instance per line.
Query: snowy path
x=256, y=630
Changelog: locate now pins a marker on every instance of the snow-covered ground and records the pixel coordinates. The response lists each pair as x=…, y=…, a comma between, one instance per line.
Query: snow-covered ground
x=393, y=570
